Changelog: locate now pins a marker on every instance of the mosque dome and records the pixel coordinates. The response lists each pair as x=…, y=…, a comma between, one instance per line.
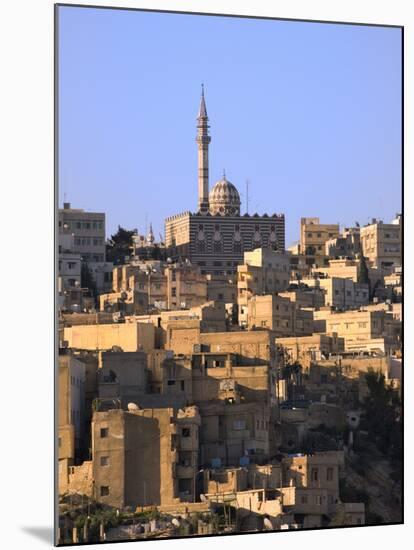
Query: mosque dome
x=224, y=199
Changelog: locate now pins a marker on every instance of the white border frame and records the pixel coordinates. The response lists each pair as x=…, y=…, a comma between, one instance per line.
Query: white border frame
x=26, y=175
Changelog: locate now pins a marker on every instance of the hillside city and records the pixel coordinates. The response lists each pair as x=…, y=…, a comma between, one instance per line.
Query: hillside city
x=214, y=381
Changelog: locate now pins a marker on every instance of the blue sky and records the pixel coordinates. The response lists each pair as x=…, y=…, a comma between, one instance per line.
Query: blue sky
x=309, y=113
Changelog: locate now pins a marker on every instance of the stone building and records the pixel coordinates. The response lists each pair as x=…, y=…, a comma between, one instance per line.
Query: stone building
x=305, y=296
x=218, y=377
x=122, y=376
x=364, y=329
x=381, y=243
x=156, y=286
x=217, y=235
x=307, y=349
x=340, y=292
x=128, y=336
x=88, y=230
x=144, y=457
x=347, y=244
x=230, y=432
x=313, y=236
x=70, y=415
x=264, y=271
x=280, y=315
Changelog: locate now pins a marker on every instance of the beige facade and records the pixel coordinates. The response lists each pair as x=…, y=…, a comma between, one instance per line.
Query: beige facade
x=264, y=271
x=348, y=244
x=251, y=347
x=341, y=293
x=306, y=349
x=350, y=269
x=71, y=406
x=144, y=457
x=160, y=286
x=359, y=328
x=217, y=377
x=313, y=236
x=127, y=336
x=186, y=286
x=122, y=376
x=231, y=432
x=221, y=288
x=320, y=470
x=381, y=243
x=305, y=297
x=279, y=315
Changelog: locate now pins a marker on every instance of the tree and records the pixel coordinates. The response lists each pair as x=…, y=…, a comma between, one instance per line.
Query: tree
x=87, y=280
x=119, y=246
x=382, y=415
x=363, y=270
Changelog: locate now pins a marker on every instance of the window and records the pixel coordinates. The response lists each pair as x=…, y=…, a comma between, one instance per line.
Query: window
x=104, y=490
x=104, y=461
x=314, y=474
x=304, y=499
x=171, y=382
x=104, y=432
x=329, y=474
x=186, y=432
x=264, y=323
x=60, y=441
x=174, y=292
x=239, y=424
x=182, y=385
x=184, y=486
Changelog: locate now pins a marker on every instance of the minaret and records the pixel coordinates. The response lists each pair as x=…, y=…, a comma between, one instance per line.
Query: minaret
x=203, y=139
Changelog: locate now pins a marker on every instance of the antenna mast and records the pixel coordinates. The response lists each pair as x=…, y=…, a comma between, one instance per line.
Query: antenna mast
x=247, y=196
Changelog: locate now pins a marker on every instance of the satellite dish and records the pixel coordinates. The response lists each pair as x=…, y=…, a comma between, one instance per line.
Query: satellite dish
x=267, y=524
x=203, y=498
x=175, y=522
x=133, y=407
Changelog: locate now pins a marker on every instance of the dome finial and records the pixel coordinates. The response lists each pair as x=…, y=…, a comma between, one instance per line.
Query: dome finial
x=224, y=173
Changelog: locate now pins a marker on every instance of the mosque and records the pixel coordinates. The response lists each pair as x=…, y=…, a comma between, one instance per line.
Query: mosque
x=216, y=236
